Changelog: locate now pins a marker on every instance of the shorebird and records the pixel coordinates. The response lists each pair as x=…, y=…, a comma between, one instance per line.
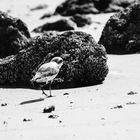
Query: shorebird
x=47, y=72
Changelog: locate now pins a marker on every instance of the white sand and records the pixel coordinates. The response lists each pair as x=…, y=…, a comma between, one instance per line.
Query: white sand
x=87, y=113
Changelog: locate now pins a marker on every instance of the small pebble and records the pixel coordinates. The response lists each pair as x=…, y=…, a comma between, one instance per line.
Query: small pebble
x=4, y=104
x=117, y=107
x=49, y=109
x=66, y=94
x=71, y=102
x=102, y=118
x=132, y=93
x=130, y=103
x=5, y=123
x=53, y=116
x=26, y=120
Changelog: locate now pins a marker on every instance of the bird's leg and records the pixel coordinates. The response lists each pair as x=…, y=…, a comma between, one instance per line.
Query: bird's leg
x=43, y=91
x=50, y=89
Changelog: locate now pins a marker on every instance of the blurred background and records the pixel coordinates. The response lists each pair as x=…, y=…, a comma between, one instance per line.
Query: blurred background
x=92, y=14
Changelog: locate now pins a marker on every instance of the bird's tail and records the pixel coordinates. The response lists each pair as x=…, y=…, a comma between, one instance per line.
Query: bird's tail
x=36, y=84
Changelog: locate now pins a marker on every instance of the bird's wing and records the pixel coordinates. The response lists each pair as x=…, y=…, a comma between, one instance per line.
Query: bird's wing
x=47, y=72
x=48, y=69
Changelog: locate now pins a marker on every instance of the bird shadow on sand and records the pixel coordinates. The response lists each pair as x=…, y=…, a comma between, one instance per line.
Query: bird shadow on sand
x=32, y=101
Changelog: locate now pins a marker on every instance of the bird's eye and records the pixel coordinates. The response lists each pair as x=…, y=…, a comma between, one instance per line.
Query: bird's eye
x=60, y=61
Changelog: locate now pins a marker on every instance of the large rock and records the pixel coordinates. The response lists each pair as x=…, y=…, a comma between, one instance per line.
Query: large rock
x=114, y=5
x=85, y=61
x=81, y=20
x=59, y=25
x=71, y=7
x=13, y=34
x=121, y=33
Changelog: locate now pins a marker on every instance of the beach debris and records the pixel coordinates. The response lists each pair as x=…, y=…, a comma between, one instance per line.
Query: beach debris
x=102, y=118
x=26, y=120
x=53, y=116
x=47, y=15
x=49, y=109
x=132, y=93
x=5, y=122
x=130, y=103
x=117, y=107
x=39, y=7
x=71, y=102
x=4, y=104
x=66, y=93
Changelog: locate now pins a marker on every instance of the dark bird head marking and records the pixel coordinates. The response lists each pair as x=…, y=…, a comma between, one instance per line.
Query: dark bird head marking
x=58, y=60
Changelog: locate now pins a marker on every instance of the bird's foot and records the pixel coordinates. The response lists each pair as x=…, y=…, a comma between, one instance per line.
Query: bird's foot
x=43, y=93
x=47, y=96
x=50, y=96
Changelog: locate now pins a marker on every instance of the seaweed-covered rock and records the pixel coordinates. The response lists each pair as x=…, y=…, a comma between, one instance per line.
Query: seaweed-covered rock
x=13, y=34
x=50, y=33
x=59, y=25
x=118, y=5
x=85, y=61
x=121, y=34
x=71, y=7
x=81, y=20
x=102, y=5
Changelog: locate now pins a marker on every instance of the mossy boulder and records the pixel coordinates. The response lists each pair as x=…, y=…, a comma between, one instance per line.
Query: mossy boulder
x=121, y=34
x=59, y=25
x=114, y=5
x=13, y=34
x=72, y=7
x=85, y=61
x=81, y=20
